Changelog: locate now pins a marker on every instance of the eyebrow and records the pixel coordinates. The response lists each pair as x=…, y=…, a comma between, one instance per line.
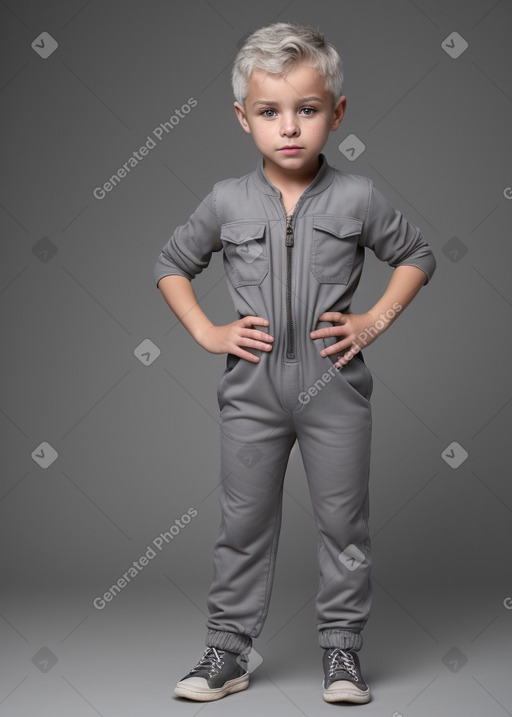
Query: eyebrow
x=274, y=102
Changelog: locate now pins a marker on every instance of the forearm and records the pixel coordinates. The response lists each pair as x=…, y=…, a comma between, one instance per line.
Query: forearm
x=181, y=297
x=403, y=286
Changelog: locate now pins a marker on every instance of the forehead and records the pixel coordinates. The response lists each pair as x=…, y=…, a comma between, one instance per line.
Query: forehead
x=301, y=81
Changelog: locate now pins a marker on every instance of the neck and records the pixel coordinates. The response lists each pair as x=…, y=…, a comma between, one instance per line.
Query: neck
x=291, y=179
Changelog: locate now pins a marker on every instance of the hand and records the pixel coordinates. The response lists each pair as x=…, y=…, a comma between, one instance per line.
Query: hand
x=354, y=330
x=231, y=337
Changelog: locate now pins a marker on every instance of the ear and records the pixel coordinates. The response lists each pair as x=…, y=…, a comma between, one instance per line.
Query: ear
x=338, y=112
x=242, y=118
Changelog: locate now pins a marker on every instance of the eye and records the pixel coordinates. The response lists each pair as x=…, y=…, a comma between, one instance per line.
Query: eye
x=264, y=111
x=311, y=109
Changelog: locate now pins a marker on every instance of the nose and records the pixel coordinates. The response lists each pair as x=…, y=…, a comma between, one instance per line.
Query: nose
x=289, y=124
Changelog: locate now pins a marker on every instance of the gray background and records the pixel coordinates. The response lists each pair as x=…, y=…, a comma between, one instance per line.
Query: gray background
x=137, y=439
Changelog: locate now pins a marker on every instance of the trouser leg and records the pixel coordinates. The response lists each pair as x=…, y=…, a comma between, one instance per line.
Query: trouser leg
x=334, y=435
x=254, y=456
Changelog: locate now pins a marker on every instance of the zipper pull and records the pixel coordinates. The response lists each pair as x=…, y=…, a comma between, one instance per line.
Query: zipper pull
x=289, y=231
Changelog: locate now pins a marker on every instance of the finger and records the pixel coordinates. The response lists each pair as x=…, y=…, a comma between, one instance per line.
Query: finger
x=327, y=331
x=247, y=355
x=335, y=348
x=256, y=334
x=250, y=320
x=332, y=316
x=254, y=344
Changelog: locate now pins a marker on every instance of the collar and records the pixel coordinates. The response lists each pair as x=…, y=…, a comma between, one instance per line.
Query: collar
x=322, y=180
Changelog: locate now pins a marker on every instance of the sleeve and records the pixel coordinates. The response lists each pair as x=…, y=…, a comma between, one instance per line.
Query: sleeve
x=189, y=249
x=394, y=239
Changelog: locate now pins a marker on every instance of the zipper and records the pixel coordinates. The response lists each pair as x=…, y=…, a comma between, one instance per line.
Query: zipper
x=290, y=330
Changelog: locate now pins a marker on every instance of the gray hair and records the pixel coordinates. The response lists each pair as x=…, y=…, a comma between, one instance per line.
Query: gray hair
x=277, y=48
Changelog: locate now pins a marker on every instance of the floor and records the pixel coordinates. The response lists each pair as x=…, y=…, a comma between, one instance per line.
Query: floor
x=439, y=654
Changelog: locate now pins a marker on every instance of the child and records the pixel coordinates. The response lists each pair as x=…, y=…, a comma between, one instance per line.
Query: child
x=293, y=234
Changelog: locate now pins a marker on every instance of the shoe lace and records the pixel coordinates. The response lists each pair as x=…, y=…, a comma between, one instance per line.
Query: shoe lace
x=211, y=660
x=342, y=660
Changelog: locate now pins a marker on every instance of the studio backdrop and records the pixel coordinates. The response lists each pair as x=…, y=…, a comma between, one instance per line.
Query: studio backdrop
x=117, y=119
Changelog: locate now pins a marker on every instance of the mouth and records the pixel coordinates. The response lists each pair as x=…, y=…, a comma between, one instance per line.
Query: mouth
x=290, y=148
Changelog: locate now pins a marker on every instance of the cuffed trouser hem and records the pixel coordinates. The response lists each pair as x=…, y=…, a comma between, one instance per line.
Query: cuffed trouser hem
x=230, y=641
x=340, y=638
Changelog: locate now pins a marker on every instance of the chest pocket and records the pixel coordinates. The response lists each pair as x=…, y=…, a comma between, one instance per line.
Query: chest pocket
x=334, y=247
x=246, y=251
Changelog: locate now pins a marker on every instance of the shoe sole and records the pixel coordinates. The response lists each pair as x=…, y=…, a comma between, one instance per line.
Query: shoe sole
x=191, y=693
x=346, y=695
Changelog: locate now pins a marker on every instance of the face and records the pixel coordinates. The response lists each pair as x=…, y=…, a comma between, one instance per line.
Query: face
x=291, y=110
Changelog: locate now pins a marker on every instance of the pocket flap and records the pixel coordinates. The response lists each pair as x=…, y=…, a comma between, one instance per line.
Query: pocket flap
x=240, y=232
x=339, y=226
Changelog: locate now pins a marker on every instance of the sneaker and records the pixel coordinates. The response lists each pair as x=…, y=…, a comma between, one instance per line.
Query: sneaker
x=343, y=680
x=217, y=674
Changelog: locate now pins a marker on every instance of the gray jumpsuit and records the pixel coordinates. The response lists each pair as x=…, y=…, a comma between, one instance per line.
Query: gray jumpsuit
x=290, y=270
